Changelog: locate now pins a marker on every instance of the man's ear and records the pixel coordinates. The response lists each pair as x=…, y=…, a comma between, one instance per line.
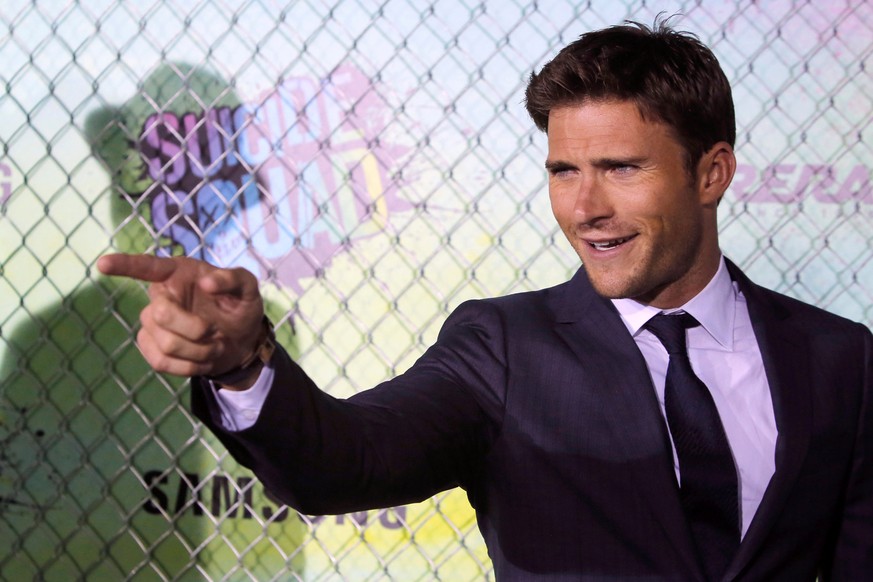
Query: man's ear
x=715, y=172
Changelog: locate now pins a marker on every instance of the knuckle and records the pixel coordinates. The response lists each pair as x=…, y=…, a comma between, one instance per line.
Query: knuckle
x=159, y=312
x=241, y=273
x=200, y=329
x=153, y=357
x=167, y=343
x=159, y=363
x=142, y=340
x=145, y=316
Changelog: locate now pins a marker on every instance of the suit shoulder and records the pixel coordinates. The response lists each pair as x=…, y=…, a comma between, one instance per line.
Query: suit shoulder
x=515, y=305
x=816, y=318
x=807, y=317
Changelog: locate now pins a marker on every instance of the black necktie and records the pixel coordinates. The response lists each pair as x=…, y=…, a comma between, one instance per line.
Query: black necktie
x=708, y=477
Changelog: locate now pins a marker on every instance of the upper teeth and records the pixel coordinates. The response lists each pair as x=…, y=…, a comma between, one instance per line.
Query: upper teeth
x=609, y=244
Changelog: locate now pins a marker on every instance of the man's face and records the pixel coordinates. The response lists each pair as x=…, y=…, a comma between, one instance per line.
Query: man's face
x=621, y=193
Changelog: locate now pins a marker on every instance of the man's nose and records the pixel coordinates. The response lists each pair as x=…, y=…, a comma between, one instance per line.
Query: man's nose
x=592, y=202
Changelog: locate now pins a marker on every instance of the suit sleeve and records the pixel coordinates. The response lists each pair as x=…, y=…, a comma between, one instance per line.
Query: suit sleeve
x=853, y=550
x=422, y=432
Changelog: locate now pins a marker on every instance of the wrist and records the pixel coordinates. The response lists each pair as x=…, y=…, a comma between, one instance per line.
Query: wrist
x=245, y=374
x=238, y=380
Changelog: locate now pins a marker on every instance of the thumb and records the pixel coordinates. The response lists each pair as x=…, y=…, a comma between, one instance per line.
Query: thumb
x=238, y=283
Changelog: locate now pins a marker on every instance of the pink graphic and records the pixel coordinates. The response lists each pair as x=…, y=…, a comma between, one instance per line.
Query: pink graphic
x=789, y=183
x=280, y=186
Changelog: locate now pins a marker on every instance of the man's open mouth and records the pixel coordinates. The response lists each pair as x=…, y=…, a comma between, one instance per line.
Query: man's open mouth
x=610, y=244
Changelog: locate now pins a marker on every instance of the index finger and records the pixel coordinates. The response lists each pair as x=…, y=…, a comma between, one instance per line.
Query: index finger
x=143, y=267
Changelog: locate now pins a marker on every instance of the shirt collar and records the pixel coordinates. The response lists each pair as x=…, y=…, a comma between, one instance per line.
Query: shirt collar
x=714, y=307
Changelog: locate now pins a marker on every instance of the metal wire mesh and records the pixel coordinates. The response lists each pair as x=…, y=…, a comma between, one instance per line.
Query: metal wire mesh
x=371, y=162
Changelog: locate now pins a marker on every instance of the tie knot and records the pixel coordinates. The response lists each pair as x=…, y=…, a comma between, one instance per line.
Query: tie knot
x=670, y=330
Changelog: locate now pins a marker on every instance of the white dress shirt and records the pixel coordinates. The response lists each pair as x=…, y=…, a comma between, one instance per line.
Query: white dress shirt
x=723, y=352
x=240, y=409
x=725, y=356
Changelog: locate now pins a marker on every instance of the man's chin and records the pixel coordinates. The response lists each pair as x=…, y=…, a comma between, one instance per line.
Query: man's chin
x=610, y=287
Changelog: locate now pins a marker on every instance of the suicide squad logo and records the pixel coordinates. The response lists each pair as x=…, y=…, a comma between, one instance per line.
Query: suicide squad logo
x=279, y=186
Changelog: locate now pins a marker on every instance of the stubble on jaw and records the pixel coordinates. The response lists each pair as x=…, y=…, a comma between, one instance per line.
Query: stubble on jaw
x=653, y=279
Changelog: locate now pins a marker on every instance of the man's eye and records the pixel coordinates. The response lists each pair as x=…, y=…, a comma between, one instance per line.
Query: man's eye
x=623, y=168
x=561, y=172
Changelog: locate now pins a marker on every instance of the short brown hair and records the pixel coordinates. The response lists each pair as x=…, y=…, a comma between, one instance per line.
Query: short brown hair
x=671, y=76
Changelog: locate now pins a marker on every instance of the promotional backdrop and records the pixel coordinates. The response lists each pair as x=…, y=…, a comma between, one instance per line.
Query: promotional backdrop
x=371, y=162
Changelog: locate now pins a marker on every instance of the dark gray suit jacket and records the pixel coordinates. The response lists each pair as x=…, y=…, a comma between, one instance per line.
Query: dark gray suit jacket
x=541, y=407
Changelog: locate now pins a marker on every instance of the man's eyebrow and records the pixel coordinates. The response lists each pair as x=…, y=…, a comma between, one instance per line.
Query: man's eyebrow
x=554, y=166
x=615, y=162
x=558, y=166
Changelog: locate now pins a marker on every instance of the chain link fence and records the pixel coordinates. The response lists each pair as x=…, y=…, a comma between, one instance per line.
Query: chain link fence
x=372, y=163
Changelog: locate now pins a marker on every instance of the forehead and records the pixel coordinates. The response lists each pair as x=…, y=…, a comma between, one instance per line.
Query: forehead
x=606, y=125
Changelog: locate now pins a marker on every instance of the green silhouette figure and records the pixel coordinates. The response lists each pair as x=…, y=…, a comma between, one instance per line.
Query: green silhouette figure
x=104, y=475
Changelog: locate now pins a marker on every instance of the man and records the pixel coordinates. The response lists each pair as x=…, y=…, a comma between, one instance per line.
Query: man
x=588, y=451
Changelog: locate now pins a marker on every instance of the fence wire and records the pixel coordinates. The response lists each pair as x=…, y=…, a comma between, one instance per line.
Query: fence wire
x=371, y=162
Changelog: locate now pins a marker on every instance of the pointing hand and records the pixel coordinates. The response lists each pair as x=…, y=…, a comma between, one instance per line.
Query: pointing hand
x=200, y=320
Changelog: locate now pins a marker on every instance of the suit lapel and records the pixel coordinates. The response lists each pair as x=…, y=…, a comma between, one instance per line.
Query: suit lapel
x=612, y=363
x=786, y=364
